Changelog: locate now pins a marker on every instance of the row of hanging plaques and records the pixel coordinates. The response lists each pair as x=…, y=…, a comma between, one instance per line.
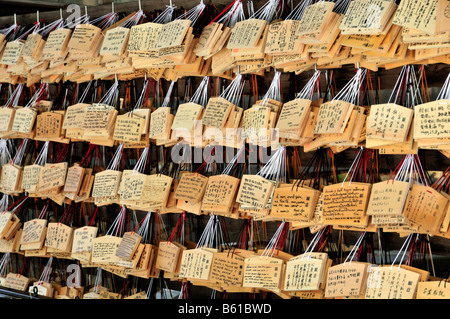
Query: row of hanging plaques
x=406, y=123
x=310, y=275
x=372, y=33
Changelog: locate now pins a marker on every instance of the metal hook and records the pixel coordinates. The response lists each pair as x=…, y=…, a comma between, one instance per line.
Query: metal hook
x=139, y=2
x=112, y=7
x=37, y=16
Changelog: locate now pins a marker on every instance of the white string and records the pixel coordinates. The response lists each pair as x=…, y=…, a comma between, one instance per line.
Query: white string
x=149, y=289
x=118, y=225
x=274, y=90
x=5, y=263
x=355, y=249
x=84, y=19
x=297, y=12
x=165, y=16
x=444, y=93
x=166, y=100
x=140, y=164
x=273, y=241
x=341, y=6
x=141, y=98
x=163, y=226
x=133, y=20
x=106, y=20
x=308, y=90
x=114, y=164
x=13, y=99
x=98, y=279
x=275, y=165
x=36, y=96
x=268, y=11
x=20, y=152
x=355, y=163
x=18, y=205
x=200, y=95
x=233, y=15
x=407, y=241
x=45, y=276
x=85, y=92
x=192, y=14
x=41, y=159
x=111, y=95
x=57, y=24
x=5, y=155
x=350, y=92
x=313, y=243
x=233, y=92
x=230, y=165
x=4, y=203
x=207, y=237
x=9, y=29
x=31, y=30
x=143, y=230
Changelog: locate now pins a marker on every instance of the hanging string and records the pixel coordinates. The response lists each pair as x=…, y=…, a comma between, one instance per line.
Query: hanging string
x=5, y=155
x=117, y=227
x=13, y=100
x=84, y=19
x=231, y=15
x=233, y=92
x=352, y=169
x=297, y=12
x=270, y=11
x=200, y=96
x=313, y=243
x=166, y=100
x=350, y=92
x=355, y=248
x=43, y=213
x=142, y=96
x=114, y=164
x=45, y=30
x=105, y=21
x=275, y=168
x=98, y=280
x=133, y=20
x=111, y=96
x=165, y=16
x=37, y=96
x=193, y=14
x=41, y=159
x=33, y=29
x=212, y=235
x=308, y=90
x=85, y=92
x=444, y=93
x=273, y=92
x=17, y=159
x=140, y=164
x=5, y=264
x=45, y=276
x=404, y=248
x=276, y=241
x=178, y=232
x=341, y=6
